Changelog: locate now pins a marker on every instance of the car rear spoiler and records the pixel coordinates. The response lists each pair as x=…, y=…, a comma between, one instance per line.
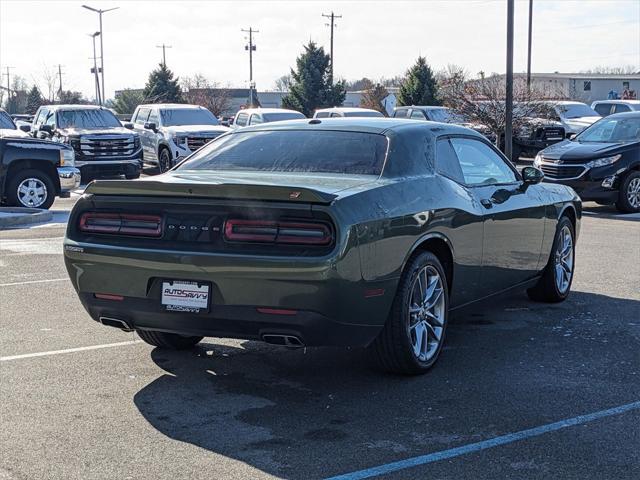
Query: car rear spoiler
x=243, y=191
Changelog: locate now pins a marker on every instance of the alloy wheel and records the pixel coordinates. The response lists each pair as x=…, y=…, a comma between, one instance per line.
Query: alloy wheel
x=32, y=192
x=564, y=260
x=426, y=313
x=165, y=161
x=633, y=193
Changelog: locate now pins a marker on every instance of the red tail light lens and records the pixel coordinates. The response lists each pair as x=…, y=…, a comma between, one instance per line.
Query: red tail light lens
x=295, y=233
x=121, y=224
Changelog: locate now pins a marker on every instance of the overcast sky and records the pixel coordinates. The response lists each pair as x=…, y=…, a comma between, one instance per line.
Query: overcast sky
x=373, y=38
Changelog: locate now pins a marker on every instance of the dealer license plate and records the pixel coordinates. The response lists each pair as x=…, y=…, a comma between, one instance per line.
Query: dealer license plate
x=182, y=296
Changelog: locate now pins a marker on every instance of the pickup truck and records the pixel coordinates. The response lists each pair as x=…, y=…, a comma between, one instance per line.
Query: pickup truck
x=102, y=145
x=33, y=172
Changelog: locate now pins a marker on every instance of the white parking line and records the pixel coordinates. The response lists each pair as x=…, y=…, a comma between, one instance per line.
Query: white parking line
x=68, y=350
x=28, y=282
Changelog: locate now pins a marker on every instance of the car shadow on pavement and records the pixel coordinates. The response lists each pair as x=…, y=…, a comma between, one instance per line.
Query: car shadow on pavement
x=313, y=414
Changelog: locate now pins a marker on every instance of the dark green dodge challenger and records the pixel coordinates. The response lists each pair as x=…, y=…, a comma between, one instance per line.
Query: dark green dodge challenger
x=359, y=232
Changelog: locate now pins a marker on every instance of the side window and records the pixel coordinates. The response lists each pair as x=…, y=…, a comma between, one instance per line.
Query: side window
x=42, y=114
x=400, y=113
x=50, y=119
x=619, y=108
x=241, y=120
x=417, y=114
x=480, y=164
x=142, y=116
x=255, y=119
x=603, y=109
x=447, y=162
x=153, y=117
x=335, y=115
x=322, y=115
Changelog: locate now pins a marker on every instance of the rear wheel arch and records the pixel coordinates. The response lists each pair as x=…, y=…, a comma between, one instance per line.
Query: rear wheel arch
x=441, y=247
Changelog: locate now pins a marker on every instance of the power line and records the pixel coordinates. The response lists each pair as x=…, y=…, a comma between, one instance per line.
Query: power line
x=332, y=18
x=164, y=54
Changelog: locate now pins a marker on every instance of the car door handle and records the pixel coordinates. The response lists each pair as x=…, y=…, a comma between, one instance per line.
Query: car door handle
x=486, y=203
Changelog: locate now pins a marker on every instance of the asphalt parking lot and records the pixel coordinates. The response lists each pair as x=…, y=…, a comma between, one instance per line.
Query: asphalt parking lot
x=522, y=390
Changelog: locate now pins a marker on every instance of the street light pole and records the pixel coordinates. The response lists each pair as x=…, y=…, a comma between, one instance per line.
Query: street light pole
x=529, y=47
x=100, y=12
x=252, y=48
x=508, y=131
x=95, y=67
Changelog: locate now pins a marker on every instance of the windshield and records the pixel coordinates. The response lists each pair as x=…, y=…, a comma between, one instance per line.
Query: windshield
x=5, y=122
x=612, y=130
x=363, y=114
x=576, y=110
x=277, y=117
x=89, y=118
x=294, y=151
x=445, y=115
x=187, y=116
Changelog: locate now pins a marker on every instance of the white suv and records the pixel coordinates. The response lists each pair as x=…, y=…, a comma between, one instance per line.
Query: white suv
x=171, y=132
x=609, y=107
x=338, y=112
x=255, y=116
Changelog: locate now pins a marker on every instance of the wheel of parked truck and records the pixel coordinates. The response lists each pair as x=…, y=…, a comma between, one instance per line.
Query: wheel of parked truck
x=164, y=160
x=629, y=194
x=555, y=283
x=412, y=337
x=170, y=341
x=31, y=188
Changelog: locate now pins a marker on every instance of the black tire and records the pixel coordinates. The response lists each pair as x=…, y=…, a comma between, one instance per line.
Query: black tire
x=169, y=341
x=86, y=177
x=393, y=350
x=630, y=182
x=547, y=290
x=42, y=182
x=164, y=160
x=132, y=176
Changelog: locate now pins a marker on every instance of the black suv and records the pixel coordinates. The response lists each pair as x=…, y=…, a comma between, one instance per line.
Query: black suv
x=601, y=164
x=103, y=146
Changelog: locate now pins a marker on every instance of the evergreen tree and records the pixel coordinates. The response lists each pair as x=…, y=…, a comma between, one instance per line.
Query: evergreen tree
x=34, y=100
x=69, y=97
x=162, y=87
x=127, y=101
x=419, y=86
x=312, y=87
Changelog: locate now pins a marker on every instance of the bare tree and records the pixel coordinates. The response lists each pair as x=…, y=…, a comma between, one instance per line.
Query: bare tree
x=482, y=100
x=373, y=96
x=283, y=84
x=199, y=90
x=50, y=80
x=622, y=70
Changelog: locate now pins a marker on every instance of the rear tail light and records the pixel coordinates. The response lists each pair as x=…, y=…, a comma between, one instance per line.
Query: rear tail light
x=121, y=224
x=294, y=233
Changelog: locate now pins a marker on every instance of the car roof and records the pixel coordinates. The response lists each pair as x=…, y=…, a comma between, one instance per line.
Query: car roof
x=618, y=101
x=379, y=125
x=346, y=109
x=75, y=107
x=267, y=110
x=635, y=114
x=171, y=105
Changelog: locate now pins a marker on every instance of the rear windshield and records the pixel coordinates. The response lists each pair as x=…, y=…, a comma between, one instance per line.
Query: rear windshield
x=321, y=151
x=87, y=119
x=187, y=116
x=277, y=117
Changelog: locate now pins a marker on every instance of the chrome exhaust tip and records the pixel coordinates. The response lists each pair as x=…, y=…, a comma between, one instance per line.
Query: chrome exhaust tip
x=116, y=323
x=290, y=341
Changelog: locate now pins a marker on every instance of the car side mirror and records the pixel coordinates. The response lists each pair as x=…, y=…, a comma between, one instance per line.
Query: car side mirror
x=532, y=175
x=46, y=128
x=151, y=126
x=572, y=136
x=128, y=125
x=25, y=128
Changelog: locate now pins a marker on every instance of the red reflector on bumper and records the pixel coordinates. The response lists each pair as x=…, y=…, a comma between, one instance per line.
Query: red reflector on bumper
x=374, y=292
x=108, y=296
x=276, y=311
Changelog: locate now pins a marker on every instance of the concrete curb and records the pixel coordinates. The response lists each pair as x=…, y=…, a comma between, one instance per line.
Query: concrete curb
x=14, y=216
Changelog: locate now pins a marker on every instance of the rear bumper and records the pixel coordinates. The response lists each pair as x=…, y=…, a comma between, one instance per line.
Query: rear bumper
x=330, y=304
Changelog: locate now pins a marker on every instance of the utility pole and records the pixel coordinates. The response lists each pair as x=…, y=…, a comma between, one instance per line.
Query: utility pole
x=60, y=80
x=508, y=131
x=8, y=82
x=332, y=18
x=529, y=46
x=164, y=55
x=100, y=12
x=251, y=48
